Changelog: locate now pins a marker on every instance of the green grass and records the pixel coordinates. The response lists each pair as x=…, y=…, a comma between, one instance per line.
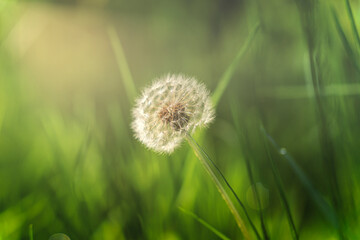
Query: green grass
x=69, y=74
x=211, y=228
x=31, y=232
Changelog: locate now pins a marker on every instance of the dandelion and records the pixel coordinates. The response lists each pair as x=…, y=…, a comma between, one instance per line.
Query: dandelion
x=167, y=112
x=168, y=109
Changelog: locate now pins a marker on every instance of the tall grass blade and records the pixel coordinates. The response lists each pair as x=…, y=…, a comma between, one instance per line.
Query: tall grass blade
x=327, y=145
x=224, y=81
x=219, y=90
x=226, y=77
x=122, y=64
x=280, y=187
x=352, y=20
x=324, y=207
x=205, y=224
x=31, y=232
x=345, y=41
x=209, y=166
x=248, y=167
x=257, y=198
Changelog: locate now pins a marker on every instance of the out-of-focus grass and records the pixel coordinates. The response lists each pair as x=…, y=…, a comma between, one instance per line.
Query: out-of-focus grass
x=211, y=228
x=69, y=163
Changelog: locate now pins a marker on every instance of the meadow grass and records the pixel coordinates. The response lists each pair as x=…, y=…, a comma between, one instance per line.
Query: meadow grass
x=69, y=162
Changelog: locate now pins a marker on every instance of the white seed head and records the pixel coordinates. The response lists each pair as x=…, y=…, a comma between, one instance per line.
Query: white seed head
x=170, y=107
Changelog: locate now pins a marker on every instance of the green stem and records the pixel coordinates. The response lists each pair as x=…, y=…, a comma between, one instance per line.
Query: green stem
x=205, y=160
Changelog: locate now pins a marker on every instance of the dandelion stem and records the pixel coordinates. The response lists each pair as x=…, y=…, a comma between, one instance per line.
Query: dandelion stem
x=208, y=165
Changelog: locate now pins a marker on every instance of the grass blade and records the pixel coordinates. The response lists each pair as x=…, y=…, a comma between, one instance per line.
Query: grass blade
x=324, y=207
x=257, y=198
x=208, y=165
x=205, y=224
x=248, y=165
x=31, y=232
x=327, y=145
x=281, y=190
x=226, y=77
x=345, y=41
x=224, y=81
x=125, y=72
x=352, y=20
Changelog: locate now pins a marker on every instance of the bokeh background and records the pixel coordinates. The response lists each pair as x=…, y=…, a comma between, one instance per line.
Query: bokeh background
x=69, y=74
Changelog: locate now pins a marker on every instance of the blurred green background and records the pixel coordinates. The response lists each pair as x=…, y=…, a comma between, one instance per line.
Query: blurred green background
x=69, y=162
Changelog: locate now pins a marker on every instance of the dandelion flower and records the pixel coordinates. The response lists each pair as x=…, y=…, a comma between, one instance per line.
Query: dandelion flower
x=168, y=109
x=165, y=114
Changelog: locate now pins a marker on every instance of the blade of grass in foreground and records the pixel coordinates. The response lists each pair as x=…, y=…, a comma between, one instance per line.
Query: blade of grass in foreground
x=208, y=165
x=281, y=190
x=226, y=77
x=122, y=64
x=324, y=207
x=31, y=232
x=204, y=223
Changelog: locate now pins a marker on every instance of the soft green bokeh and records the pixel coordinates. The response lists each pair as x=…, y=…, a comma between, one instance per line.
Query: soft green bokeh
x=69, y=163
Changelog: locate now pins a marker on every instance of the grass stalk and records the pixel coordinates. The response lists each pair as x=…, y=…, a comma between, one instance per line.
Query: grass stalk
x=316, y=77
x=257, y=198
x=248, y=167
x=327, y=145
x=218, y=93
x=205, y=224
x=208, y=165
x=352, y=20
x=31, y=232
x=229, y=72
x=125, y=72
x=345, y=41
x=280, y=188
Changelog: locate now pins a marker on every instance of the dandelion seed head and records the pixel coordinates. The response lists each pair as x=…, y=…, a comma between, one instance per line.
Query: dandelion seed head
x=167, y=109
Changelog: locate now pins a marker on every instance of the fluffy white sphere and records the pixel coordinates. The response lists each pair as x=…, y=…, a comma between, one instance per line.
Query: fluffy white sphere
x=170, y=107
